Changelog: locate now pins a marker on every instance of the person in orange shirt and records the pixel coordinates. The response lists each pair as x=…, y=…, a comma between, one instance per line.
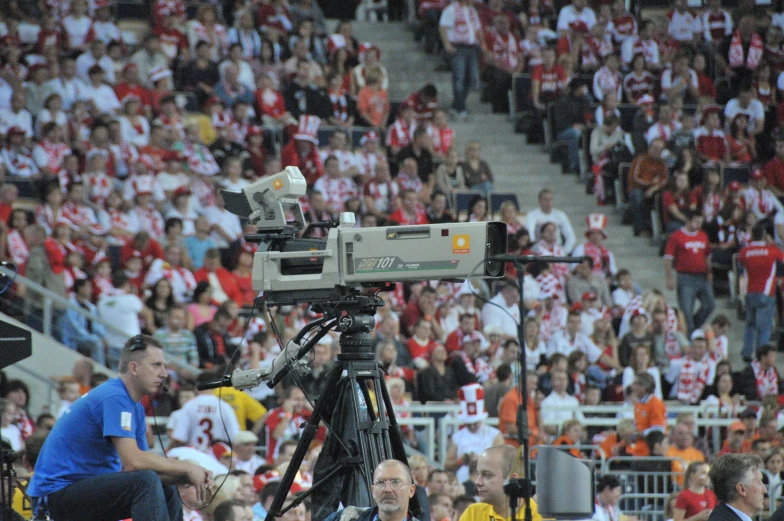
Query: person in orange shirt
x=572, y=435
x=683, y=451
x=373, y=102
x=650, y=414
x=507, y=412
x=736, y=442
x=621, y=442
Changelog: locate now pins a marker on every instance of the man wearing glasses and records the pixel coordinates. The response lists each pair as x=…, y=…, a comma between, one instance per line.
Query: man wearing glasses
x=393, y=488
x=96, y=462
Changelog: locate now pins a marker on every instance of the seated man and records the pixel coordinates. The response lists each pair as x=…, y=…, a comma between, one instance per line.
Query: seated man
x=647, y=175
x=96, y=457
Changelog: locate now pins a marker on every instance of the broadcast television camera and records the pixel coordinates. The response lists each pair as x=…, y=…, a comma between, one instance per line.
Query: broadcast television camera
x=291, y=269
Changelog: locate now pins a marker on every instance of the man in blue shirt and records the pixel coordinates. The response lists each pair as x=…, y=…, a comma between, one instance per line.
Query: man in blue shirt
x=95, y=463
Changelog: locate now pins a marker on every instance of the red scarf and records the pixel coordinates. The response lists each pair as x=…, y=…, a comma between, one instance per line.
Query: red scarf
x=600, y=256
x=767, y=380
x=736, y=52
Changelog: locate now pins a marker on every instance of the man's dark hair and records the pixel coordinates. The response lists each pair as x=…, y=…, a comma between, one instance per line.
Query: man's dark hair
x=79, y=283
x=756, y=443
x=607, y=482
x=97, y=379
x=436, y=471
x=264, y=467
x=39, y=422
x=652, y=438
x=758, y=232
x=503, y=372
x=428, y=289
x=129, y=354
x=170, y=223
x=463, y=500
x=33, y=446
x=221, y=313
x=430, y=91
x=764, y=350
x=729, y=470
x=269, y=490
x=119, y=279
x=225, y=511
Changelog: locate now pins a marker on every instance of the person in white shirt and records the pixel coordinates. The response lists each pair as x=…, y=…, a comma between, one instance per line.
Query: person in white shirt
x=120, y=308
x=102, y=95
x=680, y=80
x=546, y=213
x=608, y=492
x=461, y=34
x=576, y=11
x=684, y=24
x=559, y=406
x=17, y=116
x=745, y=103
x=245, y=76
x=502, y=310
x=205, y=418
x=95, y=56
x=245, y=457
x=226, y=227
x=571, y=339
x=67, y=84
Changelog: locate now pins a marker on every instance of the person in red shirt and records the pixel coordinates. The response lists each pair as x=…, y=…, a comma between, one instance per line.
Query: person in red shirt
x=710, y=141
x=424, y=102
x=303, y=153
x=270, y=104
x=410, y=211
x=774, y=169
x=759, y=259
x=147, y=248
x=421, y=344
x=696, y=501
x=688, y=253
x=131, y=86
x=454, y=341
x=285, y=422
x=220, y=279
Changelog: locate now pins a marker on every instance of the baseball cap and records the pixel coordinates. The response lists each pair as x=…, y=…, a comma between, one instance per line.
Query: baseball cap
x=220, y=449
x=698, y=334
x=245, y=437
x=737, y=427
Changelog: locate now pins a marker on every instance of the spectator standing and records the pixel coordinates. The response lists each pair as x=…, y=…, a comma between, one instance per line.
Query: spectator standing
x=461, y=35
x=650, y=414
x=177, y=341
x=688, y=253
x=760, y=260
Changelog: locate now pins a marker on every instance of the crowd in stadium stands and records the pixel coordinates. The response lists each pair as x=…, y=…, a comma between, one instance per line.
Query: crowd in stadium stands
x=126, y=146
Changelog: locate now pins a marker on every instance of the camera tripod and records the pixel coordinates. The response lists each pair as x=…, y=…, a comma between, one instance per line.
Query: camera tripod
x=363, y=432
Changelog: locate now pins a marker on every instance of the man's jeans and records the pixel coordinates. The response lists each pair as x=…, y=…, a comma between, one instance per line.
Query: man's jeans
x=690, y=289
x=759, y=319
x=119, y=495
x=639, y=206
x=572, y=137
x=465, y=74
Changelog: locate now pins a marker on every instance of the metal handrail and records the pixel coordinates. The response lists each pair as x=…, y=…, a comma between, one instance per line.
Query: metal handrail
x=50, y=298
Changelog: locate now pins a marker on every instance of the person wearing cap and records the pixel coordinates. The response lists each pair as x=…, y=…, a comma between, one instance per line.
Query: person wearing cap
x=461, y=36
x=570, y=113
x=689, y=375
x=96, y=55
x=759, y=259
x=475, y=436
x=78, y=331
x=761, y=201
x=736, y=442
x=245, y=457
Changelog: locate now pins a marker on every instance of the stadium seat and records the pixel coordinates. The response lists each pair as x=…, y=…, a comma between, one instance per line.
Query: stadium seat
x=521, y=92
x=740, y=173
x=463, y=199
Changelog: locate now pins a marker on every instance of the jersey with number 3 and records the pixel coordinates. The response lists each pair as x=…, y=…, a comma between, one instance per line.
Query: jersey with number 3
x=202, y=422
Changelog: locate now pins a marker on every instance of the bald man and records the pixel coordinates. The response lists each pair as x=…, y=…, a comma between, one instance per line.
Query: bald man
x=494, y=466
x=393, y=488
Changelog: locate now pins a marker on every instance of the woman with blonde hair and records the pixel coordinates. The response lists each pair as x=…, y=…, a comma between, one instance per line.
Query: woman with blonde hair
x=510, y=215
x=604, y=337
x=420, y=469
x=449, y=174
x=226, y=488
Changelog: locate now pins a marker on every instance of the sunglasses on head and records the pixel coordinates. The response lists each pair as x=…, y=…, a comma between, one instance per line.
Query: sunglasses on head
x=137, y=343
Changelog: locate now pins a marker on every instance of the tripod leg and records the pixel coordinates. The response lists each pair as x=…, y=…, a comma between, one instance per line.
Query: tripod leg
x=327, y=402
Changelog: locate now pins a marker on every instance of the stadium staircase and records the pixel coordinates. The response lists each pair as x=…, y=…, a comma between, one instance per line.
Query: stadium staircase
x=517, y=166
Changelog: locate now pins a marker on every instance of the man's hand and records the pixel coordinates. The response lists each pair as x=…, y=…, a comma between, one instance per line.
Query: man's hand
x=201, y=479
x=449, y=48
x=670, y=283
